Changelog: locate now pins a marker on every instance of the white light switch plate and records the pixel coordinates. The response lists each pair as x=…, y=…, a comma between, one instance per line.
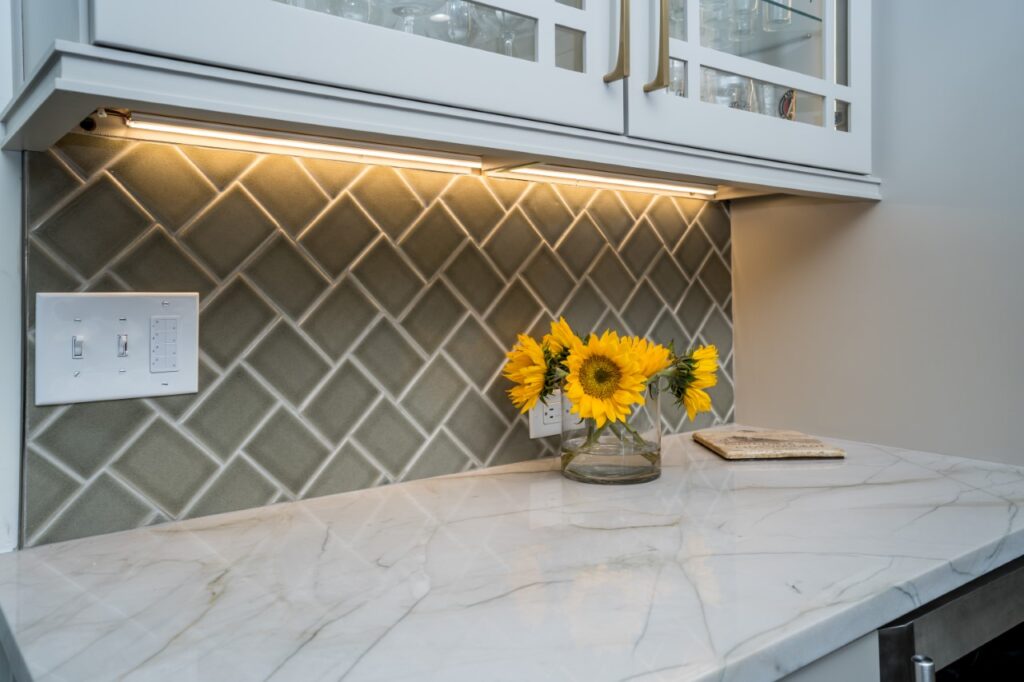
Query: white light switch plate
x=162, y=356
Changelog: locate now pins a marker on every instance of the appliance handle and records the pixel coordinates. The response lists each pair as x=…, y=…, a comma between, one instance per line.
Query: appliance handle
x=621, y=69
x=924, y=669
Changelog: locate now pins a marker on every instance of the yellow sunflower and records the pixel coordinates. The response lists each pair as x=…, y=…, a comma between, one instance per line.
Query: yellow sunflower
x=526, y=367
x=705, y=368
x=653, y=357
x=696, y=400
x=605, y=378
x=561, y=337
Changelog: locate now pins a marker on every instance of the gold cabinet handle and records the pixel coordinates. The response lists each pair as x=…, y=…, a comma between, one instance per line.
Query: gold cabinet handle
x=621, y=69
x=661, y=75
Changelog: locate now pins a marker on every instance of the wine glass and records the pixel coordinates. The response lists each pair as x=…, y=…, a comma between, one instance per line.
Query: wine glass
x=408, y=13
x=458, y=15
x=356, y=10
x=507, y=26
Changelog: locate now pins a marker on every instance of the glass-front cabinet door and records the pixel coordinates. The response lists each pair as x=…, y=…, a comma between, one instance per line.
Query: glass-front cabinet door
x=785, y=80
x=537, y=59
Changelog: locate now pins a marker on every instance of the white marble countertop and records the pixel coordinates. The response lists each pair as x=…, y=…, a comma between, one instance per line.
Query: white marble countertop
x=717, y=571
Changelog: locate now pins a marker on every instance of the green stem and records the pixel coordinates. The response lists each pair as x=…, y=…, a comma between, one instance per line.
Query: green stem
x=595, y=433
x=637, y=438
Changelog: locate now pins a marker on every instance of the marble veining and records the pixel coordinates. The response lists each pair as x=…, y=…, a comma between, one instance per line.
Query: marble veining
x=738, y=571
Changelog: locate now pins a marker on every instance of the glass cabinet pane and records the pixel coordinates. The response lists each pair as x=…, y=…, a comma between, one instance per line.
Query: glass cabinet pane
x=463, y=22
x=842, y=116
x=677, y=77
x=569, y=48
x=768, y=99
x=842, y=42
x=783, y=33
x=677, y=19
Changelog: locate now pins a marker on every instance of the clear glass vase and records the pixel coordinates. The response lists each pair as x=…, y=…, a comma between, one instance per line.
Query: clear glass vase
x=617, y=453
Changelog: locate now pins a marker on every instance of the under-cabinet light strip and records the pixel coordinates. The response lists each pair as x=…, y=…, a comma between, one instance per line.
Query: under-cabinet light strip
x=353, y=151
x=185, y=130
x=562, y=174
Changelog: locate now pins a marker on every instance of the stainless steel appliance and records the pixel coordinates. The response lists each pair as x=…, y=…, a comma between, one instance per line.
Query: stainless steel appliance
x=919, y=645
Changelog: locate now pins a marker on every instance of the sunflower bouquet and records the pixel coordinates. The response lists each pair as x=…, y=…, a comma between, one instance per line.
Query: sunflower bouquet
x=608, y=381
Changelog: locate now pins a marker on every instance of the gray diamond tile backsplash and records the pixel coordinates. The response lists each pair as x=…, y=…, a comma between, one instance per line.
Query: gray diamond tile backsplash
x=353, y=319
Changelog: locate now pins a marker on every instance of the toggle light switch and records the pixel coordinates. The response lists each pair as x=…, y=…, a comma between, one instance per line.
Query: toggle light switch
x=77, y=347
x=122, y=345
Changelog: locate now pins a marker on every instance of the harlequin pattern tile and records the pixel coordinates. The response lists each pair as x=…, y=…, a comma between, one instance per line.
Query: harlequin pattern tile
x=102, y=210
x=165, y=466
x=354, y=319
x=287, y=450
x=545, y=208
x=339, y=235
x=228, y=231
x=432, y=240
x=49, y=180
x=165, y=182
x=512, y=242
x=582, y=244
x=159, y=264
x=286, y=277
x=548, y=278
x=286, y=191
x=288, y=362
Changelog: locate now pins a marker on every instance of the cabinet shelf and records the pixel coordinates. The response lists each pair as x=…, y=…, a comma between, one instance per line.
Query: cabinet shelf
x=771, y=32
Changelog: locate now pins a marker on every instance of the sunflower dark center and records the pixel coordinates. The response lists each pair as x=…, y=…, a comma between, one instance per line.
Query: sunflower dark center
x=600, y=377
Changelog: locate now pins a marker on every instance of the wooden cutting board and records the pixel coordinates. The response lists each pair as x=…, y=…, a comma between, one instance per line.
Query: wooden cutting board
x=746, y=443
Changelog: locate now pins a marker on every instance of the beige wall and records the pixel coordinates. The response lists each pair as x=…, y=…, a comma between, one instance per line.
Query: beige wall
x=902, y=322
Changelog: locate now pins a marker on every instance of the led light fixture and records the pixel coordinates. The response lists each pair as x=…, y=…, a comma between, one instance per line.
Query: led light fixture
x=178, y=130
x=592, y=178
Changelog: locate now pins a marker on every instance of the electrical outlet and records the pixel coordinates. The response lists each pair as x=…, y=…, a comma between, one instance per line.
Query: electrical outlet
x=546, y=417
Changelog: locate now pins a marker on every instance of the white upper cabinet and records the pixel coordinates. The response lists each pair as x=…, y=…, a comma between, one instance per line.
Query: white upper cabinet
x=786, y=80
x=543, y=60
x=748, y=92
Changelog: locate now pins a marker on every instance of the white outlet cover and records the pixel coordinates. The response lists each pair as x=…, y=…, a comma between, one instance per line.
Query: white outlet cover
x=546, y=418
x=100, y=374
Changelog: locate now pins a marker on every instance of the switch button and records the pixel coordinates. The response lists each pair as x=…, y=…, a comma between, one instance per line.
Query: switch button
x=122, y=345
x=163, y=344
x=77, y=347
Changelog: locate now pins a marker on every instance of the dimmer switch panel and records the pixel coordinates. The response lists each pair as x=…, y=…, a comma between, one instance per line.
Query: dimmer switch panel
x=110, y=346
x=163, y=343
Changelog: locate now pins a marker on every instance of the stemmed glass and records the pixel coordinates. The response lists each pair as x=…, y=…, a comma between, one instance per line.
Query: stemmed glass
x=508, y=26
x=408, y=13
x=356, y=10
x=459, y=14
